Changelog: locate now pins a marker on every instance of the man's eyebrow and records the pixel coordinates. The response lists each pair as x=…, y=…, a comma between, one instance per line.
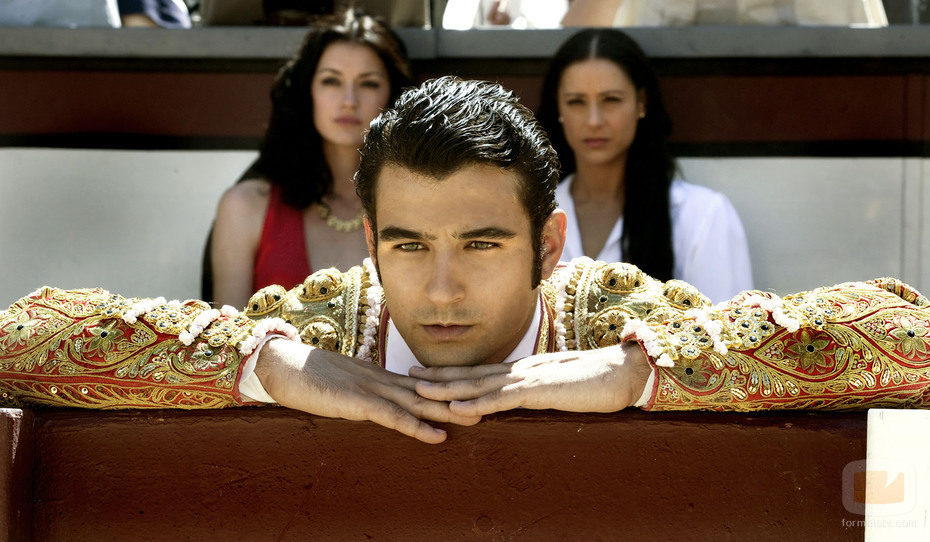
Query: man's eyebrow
x=393, y=233
x=490, y=232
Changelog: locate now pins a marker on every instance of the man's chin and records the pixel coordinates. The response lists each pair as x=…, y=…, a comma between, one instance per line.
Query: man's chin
x=449, y=357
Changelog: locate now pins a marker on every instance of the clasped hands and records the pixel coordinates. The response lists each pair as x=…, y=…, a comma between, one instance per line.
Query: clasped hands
x=330, y=384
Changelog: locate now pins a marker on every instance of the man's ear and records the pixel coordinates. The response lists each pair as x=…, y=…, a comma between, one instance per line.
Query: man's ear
x=553, y=241
x=370, y=240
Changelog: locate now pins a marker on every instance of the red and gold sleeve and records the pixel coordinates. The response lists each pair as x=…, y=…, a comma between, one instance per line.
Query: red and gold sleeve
x=850, y=346
x=91, y=349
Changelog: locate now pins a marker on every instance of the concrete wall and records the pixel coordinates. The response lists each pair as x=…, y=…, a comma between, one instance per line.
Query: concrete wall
x=818, y=221
x=134, y=222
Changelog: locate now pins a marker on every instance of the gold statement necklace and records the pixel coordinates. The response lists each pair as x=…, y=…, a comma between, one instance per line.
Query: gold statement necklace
x=338, y=224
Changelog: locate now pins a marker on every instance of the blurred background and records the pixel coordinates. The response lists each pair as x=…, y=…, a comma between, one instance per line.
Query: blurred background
x=118, y=133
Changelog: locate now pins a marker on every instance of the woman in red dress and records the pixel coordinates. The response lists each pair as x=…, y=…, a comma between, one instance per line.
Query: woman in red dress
x=295, y=209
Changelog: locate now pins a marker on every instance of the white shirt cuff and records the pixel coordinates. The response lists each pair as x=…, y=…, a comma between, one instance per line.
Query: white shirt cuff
x=647, y=391
x=250, y=387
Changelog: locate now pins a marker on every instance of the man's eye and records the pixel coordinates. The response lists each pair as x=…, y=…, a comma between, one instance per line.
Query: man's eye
x=482, y=245
x=575, y=101
x=410, y=247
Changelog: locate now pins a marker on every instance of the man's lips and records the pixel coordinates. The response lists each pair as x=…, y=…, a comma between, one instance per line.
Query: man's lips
x=445, y=332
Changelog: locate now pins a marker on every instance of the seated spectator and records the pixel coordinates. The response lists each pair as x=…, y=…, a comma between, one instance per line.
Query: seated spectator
x=153, y=13
x=517, y=14
x=91, y=13
x=64, y=13
x=397, y=13
x=603, y=110
x=295, y=209
x=727, y=12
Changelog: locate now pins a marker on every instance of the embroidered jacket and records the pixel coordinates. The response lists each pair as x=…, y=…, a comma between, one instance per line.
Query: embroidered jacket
x=854, y=345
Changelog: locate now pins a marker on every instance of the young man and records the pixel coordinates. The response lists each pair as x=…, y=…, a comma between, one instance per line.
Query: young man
x=464, y=278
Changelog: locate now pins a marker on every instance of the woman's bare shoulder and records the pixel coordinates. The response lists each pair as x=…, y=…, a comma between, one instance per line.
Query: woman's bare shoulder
x=250, y=193
x=242, y=207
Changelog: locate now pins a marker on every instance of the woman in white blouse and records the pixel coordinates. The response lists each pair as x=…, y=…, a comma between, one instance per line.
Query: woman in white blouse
x=603, y=110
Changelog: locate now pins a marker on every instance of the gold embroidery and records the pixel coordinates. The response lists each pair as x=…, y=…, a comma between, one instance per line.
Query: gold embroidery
x=265, y=301
x=328, y=309
x=77, y=351
x=602, y=298
x=681, y=294
x=856, y=345
x=324, y=284
x=621, y=278
x=850, y=346
x=322, y=332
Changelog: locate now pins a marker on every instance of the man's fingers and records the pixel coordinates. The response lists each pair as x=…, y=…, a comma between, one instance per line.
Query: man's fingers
x=370, y=373
x=460, y=390
x=395, y=417
x=497, y=401
x=446, y=374
x=437, y=411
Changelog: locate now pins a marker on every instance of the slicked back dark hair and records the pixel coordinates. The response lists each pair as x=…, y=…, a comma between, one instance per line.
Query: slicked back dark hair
x=445, y=124
x=291, y=154
x=647, y=224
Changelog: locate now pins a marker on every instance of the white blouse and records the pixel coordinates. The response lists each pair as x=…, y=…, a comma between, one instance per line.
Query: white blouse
x=708, y=240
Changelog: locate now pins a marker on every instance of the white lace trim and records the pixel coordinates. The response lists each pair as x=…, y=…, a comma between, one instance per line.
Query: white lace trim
x=561, y=296
x=263, y=328
x=665, y=361
x=774, y=305
x=37, y=292
x=714, y=328
x=640, y=330
x=139, y=308
x=201, y=321
x=372, y=314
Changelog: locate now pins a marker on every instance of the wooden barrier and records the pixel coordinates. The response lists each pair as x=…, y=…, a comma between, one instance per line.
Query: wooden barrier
x=274, y=474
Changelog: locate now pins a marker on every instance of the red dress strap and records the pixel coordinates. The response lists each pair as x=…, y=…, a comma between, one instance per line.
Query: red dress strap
x=282, y=251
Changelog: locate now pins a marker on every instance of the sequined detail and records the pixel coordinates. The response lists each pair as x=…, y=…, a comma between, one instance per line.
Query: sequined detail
x=854, y=345
x=324, y=284
x=321, y=332
x=601, y=298
x=681, y=294
x=328, y=309
x=850, y=346
x=266, y=301
x=74, y=348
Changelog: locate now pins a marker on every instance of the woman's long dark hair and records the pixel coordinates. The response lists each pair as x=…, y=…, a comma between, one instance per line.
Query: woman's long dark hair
x=291, y=153
x=647, y=225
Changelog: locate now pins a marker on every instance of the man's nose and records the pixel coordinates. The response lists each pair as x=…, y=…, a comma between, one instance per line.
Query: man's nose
x=445, y=285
